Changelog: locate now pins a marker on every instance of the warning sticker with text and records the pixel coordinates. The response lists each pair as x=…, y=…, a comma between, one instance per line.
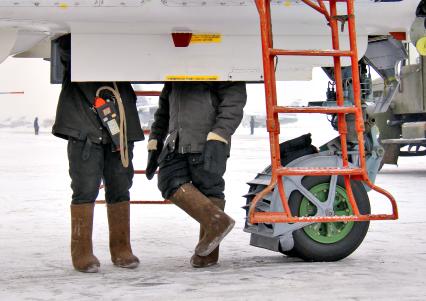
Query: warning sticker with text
x=191, y=77
x=206, y=38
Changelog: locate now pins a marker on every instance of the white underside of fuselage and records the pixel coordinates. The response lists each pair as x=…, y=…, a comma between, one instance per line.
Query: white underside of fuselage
x=117, y=40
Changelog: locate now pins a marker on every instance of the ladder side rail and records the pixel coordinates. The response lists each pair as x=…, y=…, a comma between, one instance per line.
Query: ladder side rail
x=269, y=80
x=342, y=127
x=341, y=121
x=272, y=121
x=318, y=7
x=359, y=122
x=326, y=14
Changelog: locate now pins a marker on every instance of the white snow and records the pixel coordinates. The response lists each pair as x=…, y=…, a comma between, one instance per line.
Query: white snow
x=34, y=235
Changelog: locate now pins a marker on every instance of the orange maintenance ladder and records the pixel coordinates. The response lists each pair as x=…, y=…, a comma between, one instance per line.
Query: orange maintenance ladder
x=273, y=125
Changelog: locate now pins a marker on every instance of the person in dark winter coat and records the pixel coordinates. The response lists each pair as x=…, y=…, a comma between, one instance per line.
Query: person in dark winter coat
x=92, y=158
x=252, y=123
x=190, y=140
x=36, y=126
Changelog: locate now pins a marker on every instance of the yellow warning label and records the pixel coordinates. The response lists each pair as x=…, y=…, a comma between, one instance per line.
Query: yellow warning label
x=421, y=46
x=206, y=38
x=287, y=3
x=191, y=77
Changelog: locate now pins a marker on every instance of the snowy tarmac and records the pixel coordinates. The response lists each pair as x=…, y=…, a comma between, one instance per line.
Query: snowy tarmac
x=35, y=235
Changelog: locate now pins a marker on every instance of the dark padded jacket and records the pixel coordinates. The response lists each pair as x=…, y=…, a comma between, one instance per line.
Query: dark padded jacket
x=188, y=111
x=75, y=116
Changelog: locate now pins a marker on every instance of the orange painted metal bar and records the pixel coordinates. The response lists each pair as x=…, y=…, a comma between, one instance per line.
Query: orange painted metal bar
x=341, y=118
x=280, y=217
x=318, y=8
x=322, y=5
x=323, y=110
x=148, y=93
x=143, y=202
x=252, y=213
x=359, y=123
x=318, y=171
x=272, y=122
x=334, y=53
x=142, y=172
x=384, y=192
x=270, y=83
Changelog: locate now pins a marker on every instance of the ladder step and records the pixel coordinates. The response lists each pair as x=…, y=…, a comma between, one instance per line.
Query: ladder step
x=324, y=110
x=318, y=171
x=280, y=217
x=275, y=52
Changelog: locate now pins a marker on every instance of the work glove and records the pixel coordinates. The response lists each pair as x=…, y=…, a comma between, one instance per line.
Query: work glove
x=154, y=150
x=215, y=154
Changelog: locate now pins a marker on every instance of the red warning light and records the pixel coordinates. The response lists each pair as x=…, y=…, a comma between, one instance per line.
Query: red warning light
x=181, y=39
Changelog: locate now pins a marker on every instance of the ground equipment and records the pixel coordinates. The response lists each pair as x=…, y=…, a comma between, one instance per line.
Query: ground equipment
x=315, y=207
x=403, y=122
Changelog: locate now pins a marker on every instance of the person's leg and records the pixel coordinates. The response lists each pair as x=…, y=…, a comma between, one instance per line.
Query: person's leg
x=118, y=181
x=175, y=184
x=173, y=173
x=212, y=185
x=85, y=169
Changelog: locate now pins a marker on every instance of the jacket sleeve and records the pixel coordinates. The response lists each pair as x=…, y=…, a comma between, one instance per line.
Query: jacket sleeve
x=232, y=99
x=160, y=126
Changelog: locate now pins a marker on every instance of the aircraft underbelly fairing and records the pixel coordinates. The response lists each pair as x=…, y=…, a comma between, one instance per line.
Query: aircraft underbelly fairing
x=134, y=37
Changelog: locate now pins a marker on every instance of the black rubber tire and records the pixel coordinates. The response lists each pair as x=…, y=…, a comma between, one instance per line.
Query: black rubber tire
x=308, y=249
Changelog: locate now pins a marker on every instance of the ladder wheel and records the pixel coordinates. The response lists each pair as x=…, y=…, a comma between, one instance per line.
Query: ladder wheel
x=328, y=241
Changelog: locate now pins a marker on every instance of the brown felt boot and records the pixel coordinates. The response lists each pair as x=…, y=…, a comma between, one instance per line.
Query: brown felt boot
x=82, y=256
x=213, y=257
x=214, y=221
x=119, y=235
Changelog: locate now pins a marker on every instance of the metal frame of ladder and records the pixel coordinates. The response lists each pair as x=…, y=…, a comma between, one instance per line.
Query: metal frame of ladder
x=273, y=126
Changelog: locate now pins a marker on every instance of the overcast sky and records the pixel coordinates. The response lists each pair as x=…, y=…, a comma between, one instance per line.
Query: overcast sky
x=33, y=77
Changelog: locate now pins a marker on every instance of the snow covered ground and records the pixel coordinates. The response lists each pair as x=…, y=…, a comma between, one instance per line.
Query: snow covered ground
x=34, y=236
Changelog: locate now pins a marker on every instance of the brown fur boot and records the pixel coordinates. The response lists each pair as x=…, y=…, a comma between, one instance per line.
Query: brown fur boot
x=214, y=221
x=119, y=235
x=213, y=257
x=82, y=256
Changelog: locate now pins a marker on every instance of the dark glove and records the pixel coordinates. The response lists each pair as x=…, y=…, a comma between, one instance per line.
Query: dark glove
x=214, y=156
x=152, y=164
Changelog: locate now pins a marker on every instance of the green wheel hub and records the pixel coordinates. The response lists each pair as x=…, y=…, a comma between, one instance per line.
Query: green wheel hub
x=327, y=233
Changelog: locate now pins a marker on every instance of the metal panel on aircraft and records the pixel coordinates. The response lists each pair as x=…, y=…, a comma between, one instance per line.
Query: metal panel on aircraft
x=206, y=3
x=123, y=3
x=134, y=57
x=186, y=3
x=49, y=3
x=190, y=3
